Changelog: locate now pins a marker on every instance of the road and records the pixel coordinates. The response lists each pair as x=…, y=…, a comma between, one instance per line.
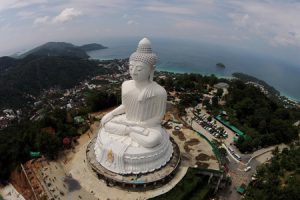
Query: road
x=235, y=167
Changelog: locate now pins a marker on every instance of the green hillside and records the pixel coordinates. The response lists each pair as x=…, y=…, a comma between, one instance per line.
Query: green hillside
x=92, y=47
x=32, y=74
x=57, y=49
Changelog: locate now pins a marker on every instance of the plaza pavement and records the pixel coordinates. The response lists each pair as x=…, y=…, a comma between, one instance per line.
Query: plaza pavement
x=80, y=171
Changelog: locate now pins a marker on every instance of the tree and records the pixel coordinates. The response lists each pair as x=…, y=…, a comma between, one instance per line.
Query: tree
x=181, y=110
x=98, y=100
x=277, y=179
x=169, y=83
x=219, y=92
x=50, y=145
x=205, y=102
x=215, y=101
x=223, y=154
x=209, y=118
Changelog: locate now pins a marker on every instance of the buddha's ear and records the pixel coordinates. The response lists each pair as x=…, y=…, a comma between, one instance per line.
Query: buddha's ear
x=152, y=73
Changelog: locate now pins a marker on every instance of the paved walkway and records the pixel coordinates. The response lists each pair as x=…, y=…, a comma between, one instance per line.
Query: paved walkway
x=265, y=154
x=10, y=193
x=60, y=185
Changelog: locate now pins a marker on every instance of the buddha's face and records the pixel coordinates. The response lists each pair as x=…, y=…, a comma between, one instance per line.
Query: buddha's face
x=139, y=71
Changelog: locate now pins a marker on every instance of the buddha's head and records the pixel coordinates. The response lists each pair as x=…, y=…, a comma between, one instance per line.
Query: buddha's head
x=142, y=62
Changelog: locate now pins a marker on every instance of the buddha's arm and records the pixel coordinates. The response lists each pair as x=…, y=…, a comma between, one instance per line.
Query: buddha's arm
x=117, y=111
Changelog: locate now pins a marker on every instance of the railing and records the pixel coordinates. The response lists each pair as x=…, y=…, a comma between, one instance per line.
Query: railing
x=28, y=181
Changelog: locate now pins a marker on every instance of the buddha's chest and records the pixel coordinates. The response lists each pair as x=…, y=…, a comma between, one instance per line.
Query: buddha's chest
x=134, y=98
x=137, y=109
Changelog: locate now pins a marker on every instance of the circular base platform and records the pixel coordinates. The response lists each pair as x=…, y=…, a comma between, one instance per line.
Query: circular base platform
x=143, y=181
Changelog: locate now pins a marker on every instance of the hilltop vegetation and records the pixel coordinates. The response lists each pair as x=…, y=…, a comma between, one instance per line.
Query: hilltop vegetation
x=62, y=49
x=279, y=179
x=33, y=74
x=92, y=47
x=6, y=62
x=261, y=118
x=54, y=64
x=17, y=141
x=247, y=78
x=57, y=49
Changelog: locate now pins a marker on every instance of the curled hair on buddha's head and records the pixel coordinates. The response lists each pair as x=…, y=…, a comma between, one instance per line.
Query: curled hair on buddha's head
x=145, y=55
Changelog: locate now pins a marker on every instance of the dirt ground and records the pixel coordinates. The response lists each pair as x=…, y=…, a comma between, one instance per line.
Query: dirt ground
x=195, y=151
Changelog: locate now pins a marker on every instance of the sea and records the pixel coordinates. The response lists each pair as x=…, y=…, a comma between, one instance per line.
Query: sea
x=198, y=57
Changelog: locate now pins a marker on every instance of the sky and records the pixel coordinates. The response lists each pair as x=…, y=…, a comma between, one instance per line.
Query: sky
x=267, y=26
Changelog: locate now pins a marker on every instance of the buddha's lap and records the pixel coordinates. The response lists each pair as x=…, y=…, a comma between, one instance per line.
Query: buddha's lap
x=153, y=137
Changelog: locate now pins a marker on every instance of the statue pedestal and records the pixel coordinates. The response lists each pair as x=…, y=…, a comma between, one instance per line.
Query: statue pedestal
x=135, y=181
x=114, y=154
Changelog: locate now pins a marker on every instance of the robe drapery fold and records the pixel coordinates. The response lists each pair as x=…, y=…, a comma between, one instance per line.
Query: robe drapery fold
x=146, y=104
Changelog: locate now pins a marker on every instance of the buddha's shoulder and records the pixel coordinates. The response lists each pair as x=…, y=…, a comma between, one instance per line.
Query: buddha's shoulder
x=159, y=90
x=128, y=83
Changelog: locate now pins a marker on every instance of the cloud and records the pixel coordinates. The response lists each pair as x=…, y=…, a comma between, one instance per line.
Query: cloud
x=67, y=14
x=26, y=14
x=285, y=39
x=169, y=9
x=240, y=19
x=41, y=20
x=12, y=4
x=252, y=24
x=132, y=22
x=271, y=21
x=7, y=27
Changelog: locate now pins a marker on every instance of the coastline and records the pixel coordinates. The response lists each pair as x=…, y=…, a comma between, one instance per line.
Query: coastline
x=170, y=69
x=182, y=71
x=290, y=97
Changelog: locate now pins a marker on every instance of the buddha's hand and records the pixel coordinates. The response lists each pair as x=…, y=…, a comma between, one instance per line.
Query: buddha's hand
x=106, y=118
x=139, y=130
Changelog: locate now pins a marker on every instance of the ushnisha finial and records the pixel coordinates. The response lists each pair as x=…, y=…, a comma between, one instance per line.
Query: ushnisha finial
x=144, y=53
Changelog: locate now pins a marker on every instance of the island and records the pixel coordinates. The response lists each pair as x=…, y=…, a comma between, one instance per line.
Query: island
x=92, y=47
x=221, y=65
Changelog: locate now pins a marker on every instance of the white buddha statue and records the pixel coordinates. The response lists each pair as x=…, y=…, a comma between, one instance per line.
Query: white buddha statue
x=132, y=139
